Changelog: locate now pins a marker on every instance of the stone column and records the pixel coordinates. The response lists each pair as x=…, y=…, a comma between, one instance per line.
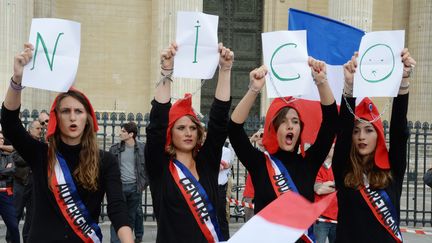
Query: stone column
x=37, y=98
x=15, y=19
x=420, y=45
x=356, y=13
x=164, y=15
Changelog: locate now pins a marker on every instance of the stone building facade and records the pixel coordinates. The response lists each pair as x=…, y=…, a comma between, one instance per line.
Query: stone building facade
x=121, y=41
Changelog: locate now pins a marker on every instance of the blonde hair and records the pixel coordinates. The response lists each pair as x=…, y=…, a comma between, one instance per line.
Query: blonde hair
x=171, y=150
x=87, y=171
x=378, y=178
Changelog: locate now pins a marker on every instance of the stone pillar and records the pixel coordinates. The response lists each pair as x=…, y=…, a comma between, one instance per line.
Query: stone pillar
x=164, y=15
x=44, y=8
x=15, y=19
x=356, y=13
x=37, y=98
x=420, y=45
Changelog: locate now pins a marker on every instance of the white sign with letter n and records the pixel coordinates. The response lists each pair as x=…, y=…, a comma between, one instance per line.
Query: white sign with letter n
x=54, y=65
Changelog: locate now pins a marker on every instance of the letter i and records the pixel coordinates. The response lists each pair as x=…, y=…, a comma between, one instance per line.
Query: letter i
x=196, y=41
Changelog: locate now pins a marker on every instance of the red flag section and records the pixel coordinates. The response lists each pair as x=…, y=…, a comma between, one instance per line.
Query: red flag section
x=283, y=220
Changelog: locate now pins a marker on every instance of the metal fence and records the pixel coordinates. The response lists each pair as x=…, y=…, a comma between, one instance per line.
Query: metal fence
x=416, y=203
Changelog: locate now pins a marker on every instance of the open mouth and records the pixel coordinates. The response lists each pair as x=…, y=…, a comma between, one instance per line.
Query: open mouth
x=289, y=138
x=73, y=127
x=362, y=145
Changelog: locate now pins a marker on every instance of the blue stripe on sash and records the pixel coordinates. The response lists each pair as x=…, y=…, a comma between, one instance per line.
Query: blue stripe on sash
x=284, y=172
x=293, y=188
x=74, y=194
x=389, y=204
x=202, y=192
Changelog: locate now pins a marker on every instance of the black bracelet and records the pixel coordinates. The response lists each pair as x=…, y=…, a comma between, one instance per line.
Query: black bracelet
x=15, y=86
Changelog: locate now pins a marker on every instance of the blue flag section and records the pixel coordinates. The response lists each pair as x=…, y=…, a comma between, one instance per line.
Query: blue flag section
x=329, y=40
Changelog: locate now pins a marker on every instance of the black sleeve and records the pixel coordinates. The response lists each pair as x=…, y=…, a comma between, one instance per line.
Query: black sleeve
x=317, y=153
x=21, y=140
x=398, y=138
x=156, y=137
x=216, y=133
x=248, y=155
x=116, y=208
x=344, y=141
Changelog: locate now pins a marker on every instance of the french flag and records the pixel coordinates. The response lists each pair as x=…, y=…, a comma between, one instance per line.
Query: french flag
x=284, y=220
x=330, y=41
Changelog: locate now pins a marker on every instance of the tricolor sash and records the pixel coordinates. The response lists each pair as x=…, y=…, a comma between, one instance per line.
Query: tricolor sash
x=381, y=206
x=197, y=200
x=70, y=204
x=282, y=182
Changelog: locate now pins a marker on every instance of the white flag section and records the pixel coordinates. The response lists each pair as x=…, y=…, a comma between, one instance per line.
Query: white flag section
x=54, y=65
x=283, y=220
x=380, y=66
x=197, y=55
x=286, y=57
x=335, y=78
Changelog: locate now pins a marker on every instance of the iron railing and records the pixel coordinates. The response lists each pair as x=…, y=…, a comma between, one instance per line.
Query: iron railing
x=416, y=203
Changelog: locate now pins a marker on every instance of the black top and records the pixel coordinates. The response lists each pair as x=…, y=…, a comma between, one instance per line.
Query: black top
x=356, y=222
x=303, y=171
x=48, y=223
x=175, y=221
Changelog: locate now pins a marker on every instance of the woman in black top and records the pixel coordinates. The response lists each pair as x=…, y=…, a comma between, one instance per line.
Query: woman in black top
x=367, y=175
x=281, y=139
x=71, y=175
x=184, y=206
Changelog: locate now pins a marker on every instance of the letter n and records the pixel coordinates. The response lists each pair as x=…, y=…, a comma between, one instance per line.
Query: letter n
x=39, y=39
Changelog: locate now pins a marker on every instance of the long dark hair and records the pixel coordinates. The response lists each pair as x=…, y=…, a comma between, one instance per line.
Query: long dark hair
x=87, y=171
x=378, y=178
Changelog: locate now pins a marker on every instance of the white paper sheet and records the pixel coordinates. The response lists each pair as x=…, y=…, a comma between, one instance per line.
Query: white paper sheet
x=380, y=66
x=286, y=57
x=56, y=54
x=197, y=56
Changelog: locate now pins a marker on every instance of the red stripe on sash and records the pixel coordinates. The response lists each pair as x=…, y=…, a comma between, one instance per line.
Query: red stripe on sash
x=63, y=210
x=272, y=175
x=306, y=238
x=377, y=215
x=203, y=227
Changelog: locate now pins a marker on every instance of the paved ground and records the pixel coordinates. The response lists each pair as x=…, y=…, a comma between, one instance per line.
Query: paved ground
x=150, y=233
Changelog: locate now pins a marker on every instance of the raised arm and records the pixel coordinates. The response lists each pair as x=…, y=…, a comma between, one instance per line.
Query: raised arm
x=346, y=123
x=398, y=126
x=317, y=153
x=319, y=74
x=13, y=94
x=218, y=116
x=163, y=87
x=11, y=123
x=248, y=155
x=257, y=80
x=156, y=130
x=223, y=87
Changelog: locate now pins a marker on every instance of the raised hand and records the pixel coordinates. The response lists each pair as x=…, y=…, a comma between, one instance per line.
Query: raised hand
x=226, y=58
x=167, y=57
x=21, y=60
x=257, y=78
x=409, y=63
x=349, y=69
x=319, y=70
